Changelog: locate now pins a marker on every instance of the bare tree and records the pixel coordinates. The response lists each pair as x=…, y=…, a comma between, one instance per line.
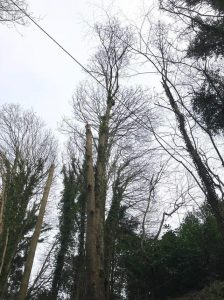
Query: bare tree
x=161, y=53
x=11, y=14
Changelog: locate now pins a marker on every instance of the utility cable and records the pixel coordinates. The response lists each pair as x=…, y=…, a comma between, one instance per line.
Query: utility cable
x=137, y=120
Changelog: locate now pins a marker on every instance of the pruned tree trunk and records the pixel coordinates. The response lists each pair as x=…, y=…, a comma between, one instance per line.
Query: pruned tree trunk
x=79, y=287
x=33, y=245
x=100, y=195
x=2, y=205
x=111, y=227
x=91, y=259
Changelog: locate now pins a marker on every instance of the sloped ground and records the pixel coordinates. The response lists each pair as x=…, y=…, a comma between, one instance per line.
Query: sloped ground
x=213, y=292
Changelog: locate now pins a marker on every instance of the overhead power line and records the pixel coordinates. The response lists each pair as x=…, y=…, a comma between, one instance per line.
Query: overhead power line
x=137, y=119
x=54, y=40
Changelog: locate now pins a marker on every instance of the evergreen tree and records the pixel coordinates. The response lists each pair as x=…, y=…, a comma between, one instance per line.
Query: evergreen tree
x=69, y=215
x=207, y=42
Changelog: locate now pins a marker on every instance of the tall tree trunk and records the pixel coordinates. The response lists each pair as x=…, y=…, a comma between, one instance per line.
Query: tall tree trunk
x=100, y=194
x=33, y=245
x=2, y=206
x=79, y=287
x=203, y=173
x=91, y=230
x=111, y=227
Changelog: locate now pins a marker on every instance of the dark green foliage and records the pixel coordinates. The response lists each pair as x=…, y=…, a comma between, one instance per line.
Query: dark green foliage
x=66, y=225
x=214, y=291
x=208, y=102
x=20, y=183
x=19, y=259
x=209, y=39
x=181, y=261
x=215, y=4
x=126, y=242
x=205, y=23
x=69, y=221
x=45, y=295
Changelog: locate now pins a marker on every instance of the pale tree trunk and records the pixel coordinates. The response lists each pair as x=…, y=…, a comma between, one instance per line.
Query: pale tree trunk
x=91, y=262
x=110, y=238
x=79, y=287
x=3, y=174
x=2, y=205
x=33, y=245
x=100, y=195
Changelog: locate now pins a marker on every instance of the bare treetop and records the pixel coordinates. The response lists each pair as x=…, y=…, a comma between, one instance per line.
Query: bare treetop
x=113, y=53
x=10, y=13
x=23, y=137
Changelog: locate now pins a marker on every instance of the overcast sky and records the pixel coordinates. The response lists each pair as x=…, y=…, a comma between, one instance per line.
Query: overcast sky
x=34, y=72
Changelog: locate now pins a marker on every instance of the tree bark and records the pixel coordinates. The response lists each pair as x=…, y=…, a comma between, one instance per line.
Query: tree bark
x=33, y=245
x=100, y=195
x=91, y=259
x=2, y=205
x=79, y=287
x=110, y=237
